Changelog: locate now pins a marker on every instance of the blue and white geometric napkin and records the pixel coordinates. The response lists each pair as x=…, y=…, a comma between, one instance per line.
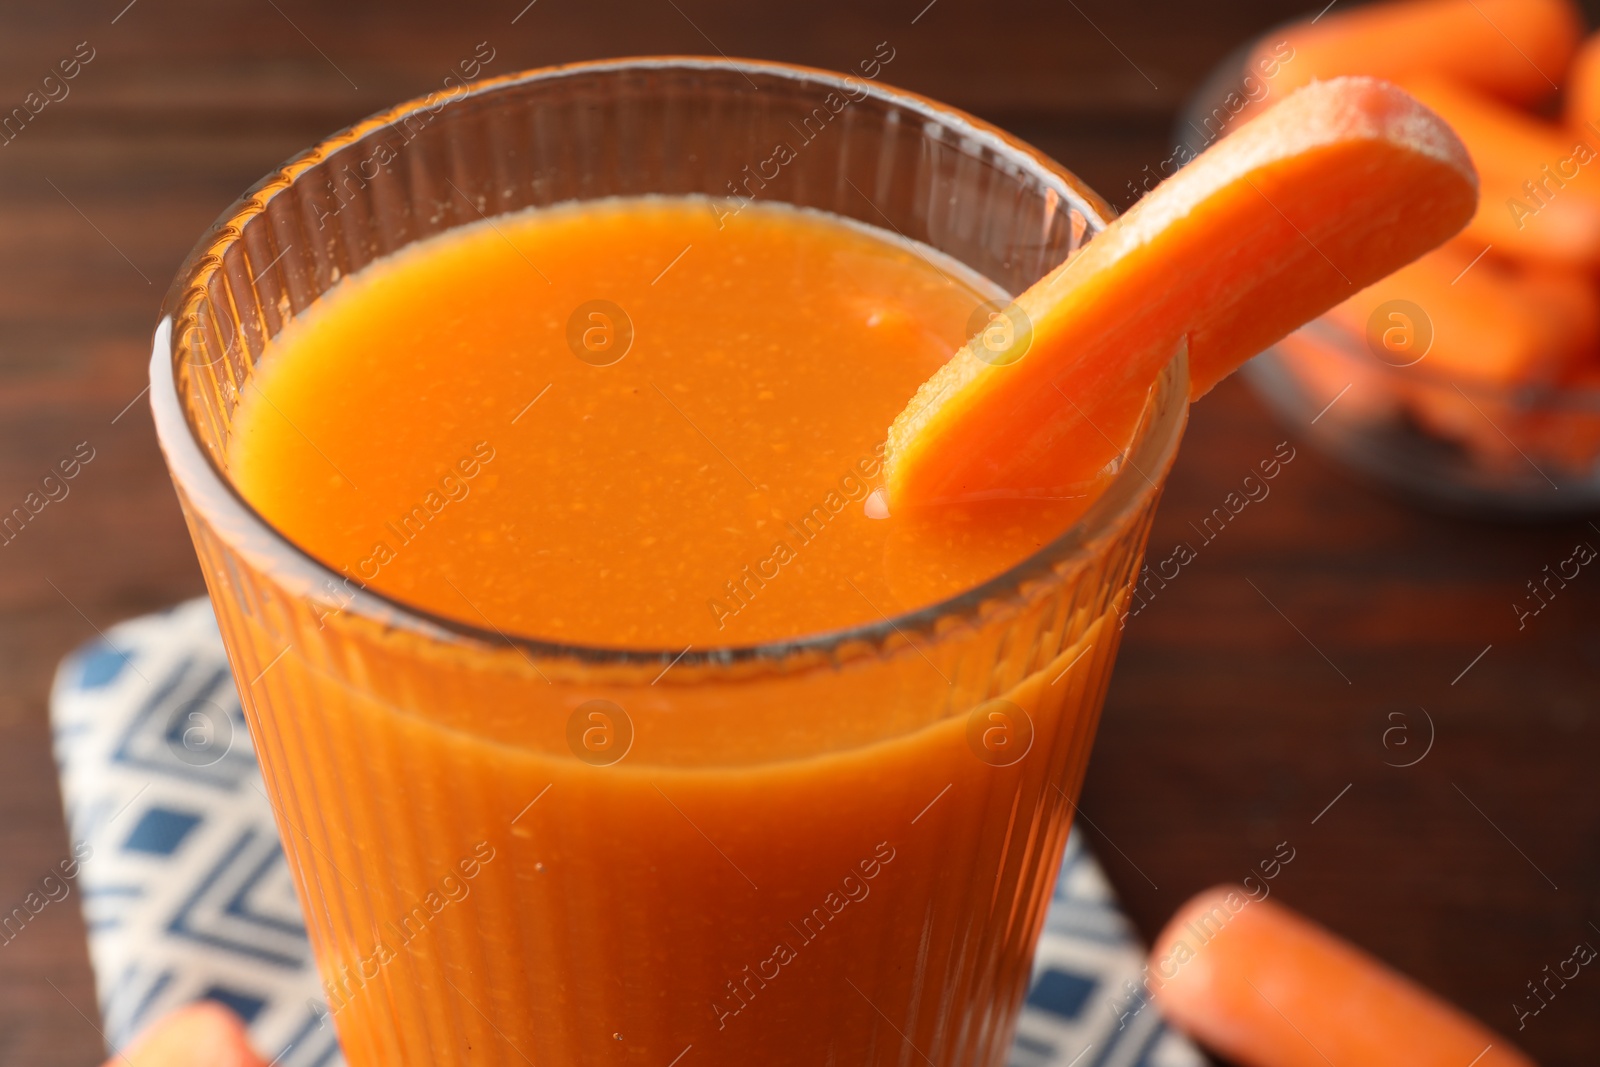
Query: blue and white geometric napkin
x=187, y=896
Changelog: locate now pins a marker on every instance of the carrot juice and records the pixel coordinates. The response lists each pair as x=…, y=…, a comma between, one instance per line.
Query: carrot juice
x=607, y=714
x=632, y=422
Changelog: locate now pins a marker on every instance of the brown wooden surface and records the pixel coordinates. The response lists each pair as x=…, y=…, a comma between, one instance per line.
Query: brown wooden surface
x=1226, y=730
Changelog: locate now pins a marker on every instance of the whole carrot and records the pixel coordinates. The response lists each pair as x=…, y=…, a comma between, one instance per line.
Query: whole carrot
x=1514, y=49
x=1485, y=331
x=200, y=1035
x=1356, y=389
x=1583, y=87
x=1540, y=181
x=1568, y=436
x=1269, y=988
x=1478, y=320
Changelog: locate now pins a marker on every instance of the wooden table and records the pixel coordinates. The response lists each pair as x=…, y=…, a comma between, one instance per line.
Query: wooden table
x=1253, y=695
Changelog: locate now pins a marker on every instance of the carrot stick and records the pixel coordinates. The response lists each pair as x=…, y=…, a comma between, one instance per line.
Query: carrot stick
x=1568, y=438
x=1477, y=329
x=1582, y=106
x=1356, y=389
x=1479, y=320
x=1540, y=181
x=1268, y=988
x=1504, y=136
x=1331, y=189
x=1516, y=50
x=1565, y=231
x=1564, y=303
x=204, y=1034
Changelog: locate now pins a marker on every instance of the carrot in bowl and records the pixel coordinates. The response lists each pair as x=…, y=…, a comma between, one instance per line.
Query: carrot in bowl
x=1481, y=330
x=1476, y=318
x=1540, y=182
x=1516, y=50
x=1566, y=435
x=1347, y=388
x=1582, y=87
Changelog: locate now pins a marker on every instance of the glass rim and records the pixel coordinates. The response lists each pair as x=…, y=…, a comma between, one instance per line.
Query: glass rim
x=207, y=488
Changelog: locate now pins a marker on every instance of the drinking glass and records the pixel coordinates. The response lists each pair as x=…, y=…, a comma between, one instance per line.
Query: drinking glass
x=833, y=848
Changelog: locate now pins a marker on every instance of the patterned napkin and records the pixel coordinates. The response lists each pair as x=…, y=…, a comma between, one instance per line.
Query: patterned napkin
x=186, y=893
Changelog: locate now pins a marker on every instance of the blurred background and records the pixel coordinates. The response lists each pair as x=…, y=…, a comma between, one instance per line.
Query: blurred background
x=1328, y=633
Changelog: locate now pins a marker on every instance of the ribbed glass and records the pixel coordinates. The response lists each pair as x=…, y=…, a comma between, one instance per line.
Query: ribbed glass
x=836, y=849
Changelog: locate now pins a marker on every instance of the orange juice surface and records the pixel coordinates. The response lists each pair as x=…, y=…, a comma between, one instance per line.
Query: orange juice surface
x=625, y=423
